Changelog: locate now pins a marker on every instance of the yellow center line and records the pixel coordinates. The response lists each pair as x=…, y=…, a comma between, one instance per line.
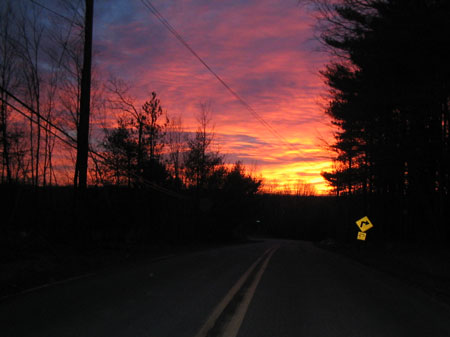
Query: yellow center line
x=233, y=327
x=242, y=309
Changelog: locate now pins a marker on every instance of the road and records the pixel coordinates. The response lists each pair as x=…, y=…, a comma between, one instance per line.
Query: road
x=270, y=288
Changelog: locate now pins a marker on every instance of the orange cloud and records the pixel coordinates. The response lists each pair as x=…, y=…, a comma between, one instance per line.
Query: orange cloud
x=263, y=49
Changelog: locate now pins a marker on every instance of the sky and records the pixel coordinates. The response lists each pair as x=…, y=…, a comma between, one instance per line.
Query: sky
x=263, y=49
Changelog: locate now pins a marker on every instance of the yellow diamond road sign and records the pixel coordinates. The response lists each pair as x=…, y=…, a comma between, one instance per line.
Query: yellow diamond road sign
x=364, y=224
x=362, y=236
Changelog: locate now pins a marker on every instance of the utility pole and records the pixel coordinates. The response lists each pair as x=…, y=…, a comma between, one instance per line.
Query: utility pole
x=80, y=179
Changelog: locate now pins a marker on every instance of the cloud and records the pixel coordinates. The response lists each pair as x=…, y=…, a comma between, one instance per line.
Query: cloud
x=263, y=49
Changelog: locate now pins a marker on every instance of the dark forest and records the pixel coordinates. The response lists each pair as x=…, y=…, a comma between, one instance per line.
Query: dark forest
x=150, y=185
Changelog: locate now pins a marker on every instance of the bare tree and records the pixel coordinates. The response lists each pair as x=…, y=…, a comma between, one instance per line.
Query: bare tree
x=200, y=161
x=304, y=189
x=48, y=174
x=176, y=141
x=31, y=33
x=123, y=102
x=8, y=67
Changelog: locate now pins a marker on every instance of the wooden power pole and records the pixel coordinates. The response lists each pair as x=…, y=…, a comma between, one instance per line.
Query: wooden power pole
x=81, y=165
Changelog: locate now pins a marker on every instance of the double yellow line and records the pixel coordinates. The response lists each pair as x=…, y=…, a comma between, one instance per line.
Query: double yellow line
x=231, y=325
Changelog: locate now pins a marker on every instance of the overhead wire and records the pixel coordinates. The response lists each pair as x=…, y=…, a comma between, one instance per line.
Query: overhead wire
x=106, y=161
x=270, y=128
x=173, y=31
x=50, y=10
x=37, y=122
x=36, y=113
x=148, y=4
x=71, y=22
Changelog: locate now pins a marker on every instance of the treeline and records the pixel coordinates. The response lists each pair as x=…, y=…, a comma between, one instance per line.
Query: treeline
x=140, y=195
x=147, y=147
x=41, y=57
x=151, y=180
x=55, y=219
x=389, y=86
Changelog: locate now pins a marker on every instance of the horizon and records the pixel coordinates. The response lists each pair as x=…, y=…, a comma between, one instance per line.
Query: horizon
x=273, y=67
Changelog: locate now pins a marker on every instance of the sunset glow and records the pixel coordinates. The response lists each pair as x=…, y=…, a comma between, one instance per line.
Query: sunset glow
x=265, y=50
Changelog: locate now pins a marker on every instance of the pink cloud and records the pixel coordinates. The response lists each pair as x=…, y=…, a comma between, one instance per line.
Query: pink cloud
x=262, y=49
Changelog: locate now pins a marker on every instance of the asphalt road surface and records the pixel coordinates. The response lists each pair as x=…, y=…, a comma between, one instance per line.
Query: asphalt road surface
x=272, y=288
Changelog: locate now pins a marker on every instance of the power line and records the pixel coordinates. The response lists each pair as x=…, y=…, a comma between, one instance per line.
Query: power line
x=67, y=38
x=36, y=122
x=36, y=113
x=106, y=161
x=50, y=10
x=71, y=24
x=159, y=16
x=71, y=21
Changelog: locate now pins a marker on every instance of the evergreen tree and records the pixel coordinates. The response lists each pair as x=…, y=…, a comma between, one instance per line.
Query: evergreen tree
x=390, y=88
